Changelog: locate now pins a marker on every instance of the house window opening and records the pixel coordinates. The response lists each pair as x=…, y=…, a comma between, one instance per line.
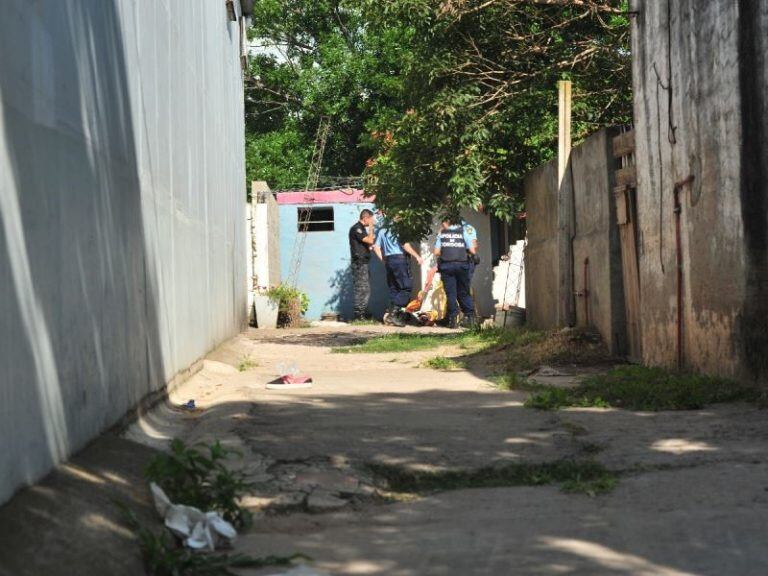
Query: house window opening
x=315, y=219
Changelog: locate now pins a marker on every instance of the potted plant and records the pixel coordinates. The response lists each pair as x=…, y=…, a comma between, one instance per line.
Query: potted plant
x=292, y=304
x=266, y=308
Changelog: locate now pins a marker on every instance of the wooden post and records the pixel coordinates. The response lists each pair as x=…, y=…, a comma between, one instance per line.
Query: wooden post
x=565, y=216
x=563, y=129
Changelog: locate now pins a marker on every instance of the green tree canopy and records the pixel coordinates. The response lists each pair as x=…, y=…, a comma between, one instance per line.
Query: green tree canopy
x=444, y=104
x=319, y=58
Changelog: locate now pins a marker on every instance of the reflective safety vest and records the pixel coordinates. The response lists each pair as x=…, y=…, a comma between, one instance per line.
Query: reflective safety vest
x=452, y=245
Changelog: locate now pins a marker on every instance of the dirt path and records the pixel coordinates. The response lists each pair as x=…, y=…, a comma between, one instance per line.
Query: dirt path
x=692, y=496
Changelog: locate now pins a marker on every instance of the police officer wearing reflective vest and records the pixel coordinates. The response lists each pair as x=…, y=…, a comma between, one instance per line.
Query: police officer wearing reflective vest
x=361, y=239
x=453, y=249
x=392, y=252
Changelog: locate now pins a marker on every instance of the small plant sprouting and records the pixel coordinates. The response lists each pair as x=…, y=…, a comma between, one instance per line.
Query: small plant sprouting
x=197, y=476
x=247, y=363
x=443, y=363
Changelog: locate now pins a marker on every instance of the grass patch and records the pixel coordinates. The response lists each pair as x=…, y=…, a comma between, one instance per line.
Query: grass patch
x=443, y=363
x=549, y=398
x=573, y=476
x=646, y=389
x=370, y=322
x=515, y=381
x=475, y=340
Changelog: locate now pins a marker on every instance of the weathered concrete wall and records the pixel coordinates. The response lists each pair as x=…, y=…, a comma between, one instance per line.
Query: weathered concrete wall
x=541, y=253
x=594, y=239
x=600, y=299
x=267, y=235
x=122, y=253
x=482, y=281
x=689, y=122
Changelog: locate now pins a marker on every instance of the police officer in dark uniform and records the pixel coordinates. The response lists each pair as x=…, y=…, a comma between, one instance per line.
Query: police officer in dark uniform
x=453, y=249
x=361, y=239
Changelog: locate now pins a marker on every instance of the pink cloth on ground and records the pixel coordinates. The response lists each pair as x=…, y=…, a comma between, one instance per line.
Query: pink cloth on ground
x=297, y=379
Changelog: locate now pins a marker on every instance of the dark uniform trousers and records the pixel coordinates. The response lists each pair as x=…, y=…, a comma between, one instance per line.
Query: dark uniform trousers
x=361, y=280
x=456, y=280
x=398, y=279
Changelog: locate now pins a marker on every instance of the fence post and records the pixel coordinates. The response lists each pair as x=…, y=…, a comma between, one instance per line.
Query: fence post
x=565, y=208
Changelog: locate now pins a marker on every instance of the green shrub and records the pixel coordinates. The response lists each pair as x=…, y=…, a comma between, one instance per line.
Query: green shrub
x=284, y=294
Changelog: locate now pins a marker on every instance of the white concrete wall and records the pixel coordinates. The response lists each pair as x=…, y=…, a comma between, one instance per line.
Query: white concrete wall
x=266, y=233
x=122, y=195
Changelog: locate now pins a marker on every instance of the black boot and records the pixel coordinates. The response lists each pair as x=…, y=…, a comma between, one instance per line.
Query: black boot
x=468, y=321
x=453, y=322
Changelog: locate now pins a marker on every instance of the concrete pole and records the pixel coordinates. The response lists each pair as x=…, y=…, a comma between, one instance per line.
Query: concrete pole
x=566, y=307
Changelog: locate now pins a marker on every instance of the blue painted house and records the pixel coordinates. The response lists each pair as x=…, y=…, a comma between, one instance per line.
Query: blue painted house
x=324, y=268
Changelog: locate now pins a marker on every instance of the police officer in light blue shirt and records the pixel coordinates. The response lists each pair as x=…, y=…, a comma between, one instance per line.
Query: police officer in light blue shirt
x=453, y=248
x=392, y=252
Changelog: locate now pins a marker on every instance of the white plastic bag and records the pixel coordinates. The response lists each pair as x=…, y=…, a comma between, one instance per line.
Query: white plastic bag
x=198, y=530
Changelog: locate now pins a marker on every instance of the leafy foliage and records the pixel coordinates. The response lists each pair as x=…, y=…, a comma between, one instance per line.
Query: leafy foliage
x=318, y=58
x=197, y=476
x=481, y=107
x=444, y=103
x=284, y=294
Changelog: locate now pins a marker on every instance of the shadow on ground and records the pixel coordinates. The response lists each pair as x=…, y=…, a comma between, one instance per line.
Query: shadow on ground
x=69, y=523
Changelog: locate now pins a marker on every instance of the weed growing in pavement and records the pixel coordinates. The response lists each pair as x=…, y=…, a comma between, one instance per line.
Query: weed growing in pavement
x=364, y=322
x=550, y=398
x=591, y=486
x=164, y=556
x=515, y=381
x=443, y=363
x=574, y=476
x=197, y=476
x=643, y=388
x=246, y=364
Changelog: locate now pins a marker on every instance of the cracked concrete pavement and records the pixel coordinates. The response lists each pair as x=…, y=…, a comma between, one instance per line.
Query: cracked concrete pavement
x=692, y=497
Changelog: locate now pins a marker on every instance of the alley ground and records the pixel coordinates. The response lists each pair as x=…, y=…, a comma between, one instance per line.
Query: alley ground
x=692, y=495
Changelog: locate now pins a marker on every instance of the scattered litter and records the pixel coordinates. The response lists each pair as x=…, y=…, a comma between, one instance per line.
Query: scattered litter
x=189, y=405
x=198, y=530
